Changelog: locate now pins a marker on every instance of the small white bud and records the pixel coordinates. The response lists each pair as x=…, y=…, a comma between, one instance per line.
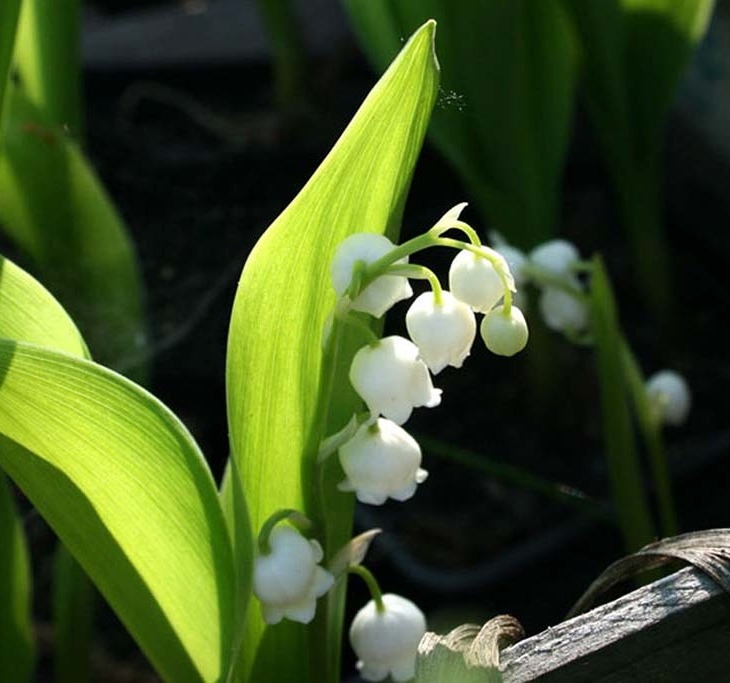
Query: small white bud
x=392, y=379
x=382, y=460
x=517, y=262
x=450, y=217
x=475, y=281
x=380, y=294
x=669, y=393
x=288, y=580
x=562, y=311
x=504, y=335
x=443, y=332
x=387, y=642
x=556, y=256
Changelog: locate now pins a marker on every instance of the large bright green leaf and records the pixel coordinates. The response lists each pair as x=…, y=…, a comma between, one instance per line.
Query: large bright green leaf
x=124, y=486
x=54, y=207
x=507, y=103
x=16, y=637
x=279, y=387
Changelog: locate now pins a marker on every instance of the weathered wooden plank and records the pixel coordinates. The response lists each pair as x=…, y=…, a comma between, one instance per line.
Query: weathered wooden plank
x=676, y=629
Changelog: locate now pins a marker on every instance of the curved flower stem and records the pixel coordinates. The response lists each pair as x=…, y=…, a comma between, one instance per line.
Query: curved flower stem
x=372, y=584
x=300, y=521
x=416, y=272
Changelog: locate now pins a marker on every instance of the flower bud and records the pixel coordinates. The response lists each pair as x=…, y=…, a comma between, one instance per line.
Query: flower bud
x=556, y=256
x=392, y=379
x=475, y=281
x=288, y=580
x=382, y=460
x=443, y=332
x=562, y=311
x=387, y=642
x=670, y=396
x=384, y=291
x=504, y=335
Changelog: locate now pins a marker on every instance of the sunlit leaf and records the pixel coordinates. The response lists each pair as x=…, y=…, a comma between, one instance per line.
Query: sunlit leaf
x=122, y=483
x=279, y=407
x=16, y=636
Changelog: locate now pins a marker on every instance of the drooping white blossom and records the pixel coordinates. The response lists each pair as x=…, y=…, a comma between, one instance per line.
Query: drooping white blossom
x=387, y=642
x=443, y=332
x=381, y=461
x=474, y=280
x=670, y=396
x=380, y=294
x=289, y=580
x=504, y=335
x=392, y=379
x=555, y=257
x=562, y=311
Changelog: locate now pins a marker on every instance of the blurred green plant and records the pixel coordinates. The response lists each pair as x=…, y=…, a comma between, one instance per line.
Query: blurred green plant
x=633, y=53
x=506, y=103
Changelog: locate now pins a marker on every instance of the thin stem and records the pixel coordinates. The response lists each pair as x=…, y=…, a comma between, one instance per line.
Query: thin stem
x=372, y=585
x=294, y=516
x=416, y=272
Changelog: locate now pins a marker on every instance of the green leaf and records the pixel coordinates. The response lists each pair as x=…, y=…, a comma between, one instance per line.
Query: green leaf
x=16, y=636
x=633, y=54
x=9, y=13
x=283, y=396
x=47, y=57
x=54, y=207
x=124, y=486
x=507, y=99
x=30, y=313
x=632, y=508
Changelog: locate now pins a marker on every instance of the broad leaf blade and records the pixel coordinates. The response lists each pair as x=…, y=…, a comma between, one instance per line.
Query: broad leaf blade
x=16, y=637
x=9, y=13
x=124, y=486
x=275, y=383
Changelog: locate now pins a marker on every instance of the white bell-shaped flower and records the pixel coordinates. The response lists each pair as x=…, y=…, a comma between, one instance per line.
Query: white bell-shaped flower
x=382, y=460
x=504, y=335
x=517, y=262
x=475, y=281
x=392, y=379
x=387, y=642
x=289, y=580
x=556, y=256
x=669, y=393
x=562, y=311
x=443, y=332
x=380, y=294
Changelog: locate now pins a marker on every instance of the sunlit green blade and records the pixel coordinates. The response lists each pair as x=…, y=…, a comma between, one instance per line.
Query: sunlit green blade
x=632, y=508
x=16, y=637
x=54, y=207
x=507, y=98
x=29, y=313
x=125, y=487
x=47, y=58
x=277, y=382
x=9, y=13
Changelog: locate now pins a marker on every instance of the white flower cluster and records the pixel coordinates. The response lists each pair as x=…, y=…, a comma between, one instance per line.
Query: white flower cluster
x=391, y=375
x=551, y=267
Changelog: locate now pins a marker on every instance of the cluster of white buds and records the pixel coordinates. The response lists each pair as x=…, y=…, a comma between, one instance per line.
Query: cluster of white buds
x=552, y=268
